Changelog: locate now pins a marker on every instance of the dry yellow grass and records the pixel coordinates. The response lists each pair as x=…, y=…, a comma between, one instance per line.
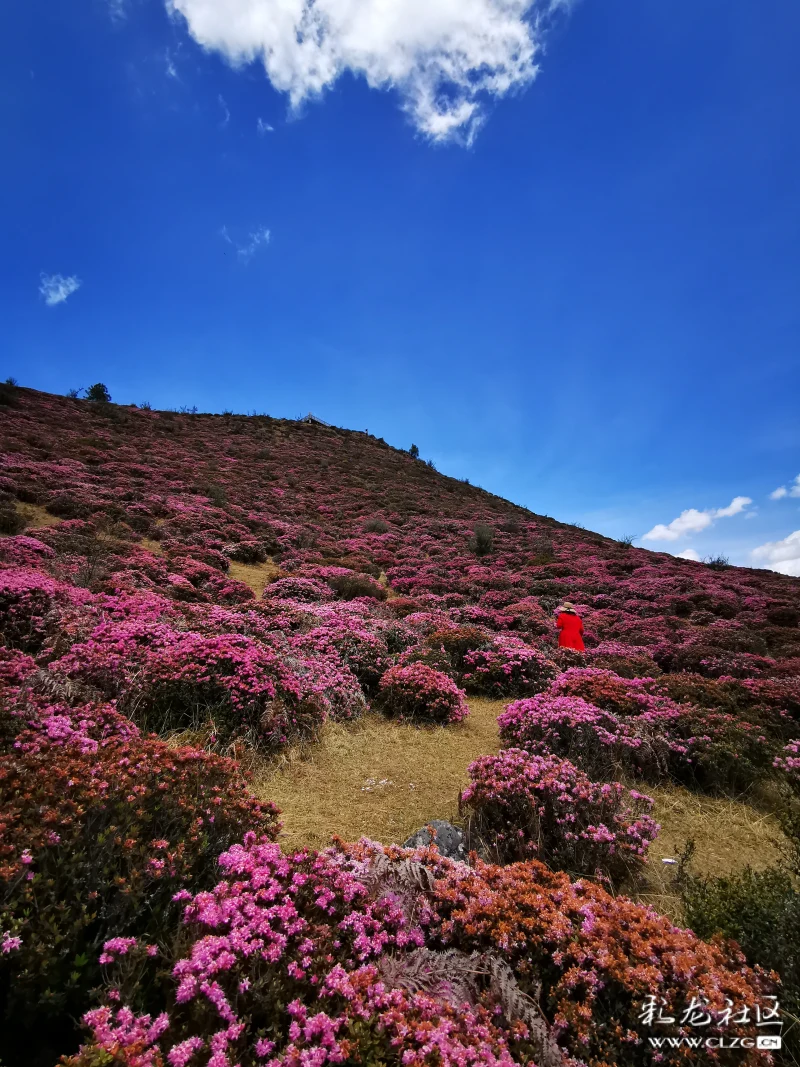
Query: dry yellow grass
x=36, y=517
x=728, y=834
x=256, y=575
x=383, y=780
x=154, y=547
x=334, y=786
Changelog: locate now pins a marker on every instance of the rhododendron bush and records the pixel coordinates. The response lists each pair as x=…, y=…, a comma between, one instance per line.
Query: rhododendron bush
x=99, y=829
x=520, y=806
x=242, y=580
x=366, y=955
x=418, y=693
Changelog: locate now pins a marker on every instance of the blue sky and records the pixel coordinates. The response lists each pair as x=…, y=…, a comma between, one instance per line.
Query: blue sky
x=577, y=286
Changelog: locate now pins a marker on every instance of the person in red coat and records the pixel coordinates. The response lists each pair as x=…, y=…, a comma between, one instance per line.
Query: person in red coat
x=570, y=628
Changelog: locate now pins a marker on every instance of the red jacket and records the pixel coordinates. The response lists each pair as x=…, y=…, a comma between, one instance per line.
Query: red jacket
x=570, y=629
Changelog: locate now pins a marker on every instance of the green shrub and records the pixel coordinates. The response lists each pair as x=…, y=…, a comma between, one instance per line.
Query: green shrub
x=350, y=586
x=376, y=526
x=98, y=394
x=482, y=539
x=11, y=522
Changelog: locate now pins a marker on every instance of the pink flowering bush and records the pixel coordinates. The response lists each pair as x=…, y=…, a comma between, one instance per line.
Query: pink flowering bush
x=789, y=762
x=521, y=806
x=170, y=680
x=28, y=605
x=701, y=748
x=305, y=590
x=597, y=741
x=604, y=689
x=508, y=667
x=384, y=956
x=417, y=693
x=285, y=966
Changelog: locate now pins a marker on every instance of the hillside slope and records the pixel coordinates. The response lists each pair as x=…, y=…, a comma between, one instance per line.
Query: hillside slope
x=246, y=583
x=310, y=496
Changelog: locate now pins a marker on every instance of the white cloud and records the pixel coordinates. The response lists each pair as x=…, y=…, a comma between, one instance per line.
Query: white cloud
x=263, y=127
x=736, y=506
x=782, y=491
x=55, y=288
x=226, y=113
x=445, y=58
x=689, y=553
x=694, y=521
x=689, y=521
x=782, y=556
x=246, y=251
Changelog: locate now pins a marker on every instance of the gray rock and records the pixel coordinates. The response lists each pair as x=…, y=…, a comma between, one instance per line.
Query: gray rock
x=448, y=839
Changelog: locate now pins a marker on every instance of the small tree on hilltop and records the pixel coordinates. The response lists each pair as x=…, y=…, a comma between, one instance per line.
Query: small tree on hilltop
x=98, y=394
x=413, y=452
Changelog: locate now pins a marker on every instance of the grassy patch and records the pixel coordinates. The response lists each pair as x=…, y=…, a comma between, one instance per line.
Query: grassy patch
x=729, y=835
x=36, y=517
x=153, y=547
x=256, y=575
x=385, y=780
x=333, y=786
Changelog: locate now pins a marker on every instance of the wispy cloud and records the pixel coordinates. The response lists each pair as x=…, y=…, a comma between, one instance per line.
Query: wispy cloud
x=226, y=115
x=118, y=9
x=263, y=127
x=55, y=288
x=169, y=65
x=446, y=59
x=245, y=251
x=782, y=491
x=694, y=521
x=782, y=556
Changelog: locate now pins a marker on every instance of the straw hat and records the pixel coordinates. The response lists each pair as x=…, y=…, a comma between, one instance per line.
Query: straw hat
x=566, y=606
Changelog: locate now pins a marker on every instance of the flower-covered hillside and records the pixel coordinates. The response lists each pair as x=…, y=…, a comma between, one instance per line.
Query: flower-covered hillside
x=340, y=508
x=243, y=580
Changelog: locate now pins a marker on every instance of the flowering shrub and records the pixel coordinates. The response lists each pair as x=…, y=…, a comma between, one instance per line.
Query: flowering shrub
x=28, y=602
x=599, y=742
x=419, y=694
x=625, y=660
x=362, y=954
x=306, y=590
x=95, y=843
x=789, y=762
x=718, y=751
x=597, y=957
x=508, y=667
x=246, y=552
x=522, y=807
x=170, y=680
x=457, y=642
x=24, y=551
x=298, y=961
x=604, y=689
x=701, y=748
